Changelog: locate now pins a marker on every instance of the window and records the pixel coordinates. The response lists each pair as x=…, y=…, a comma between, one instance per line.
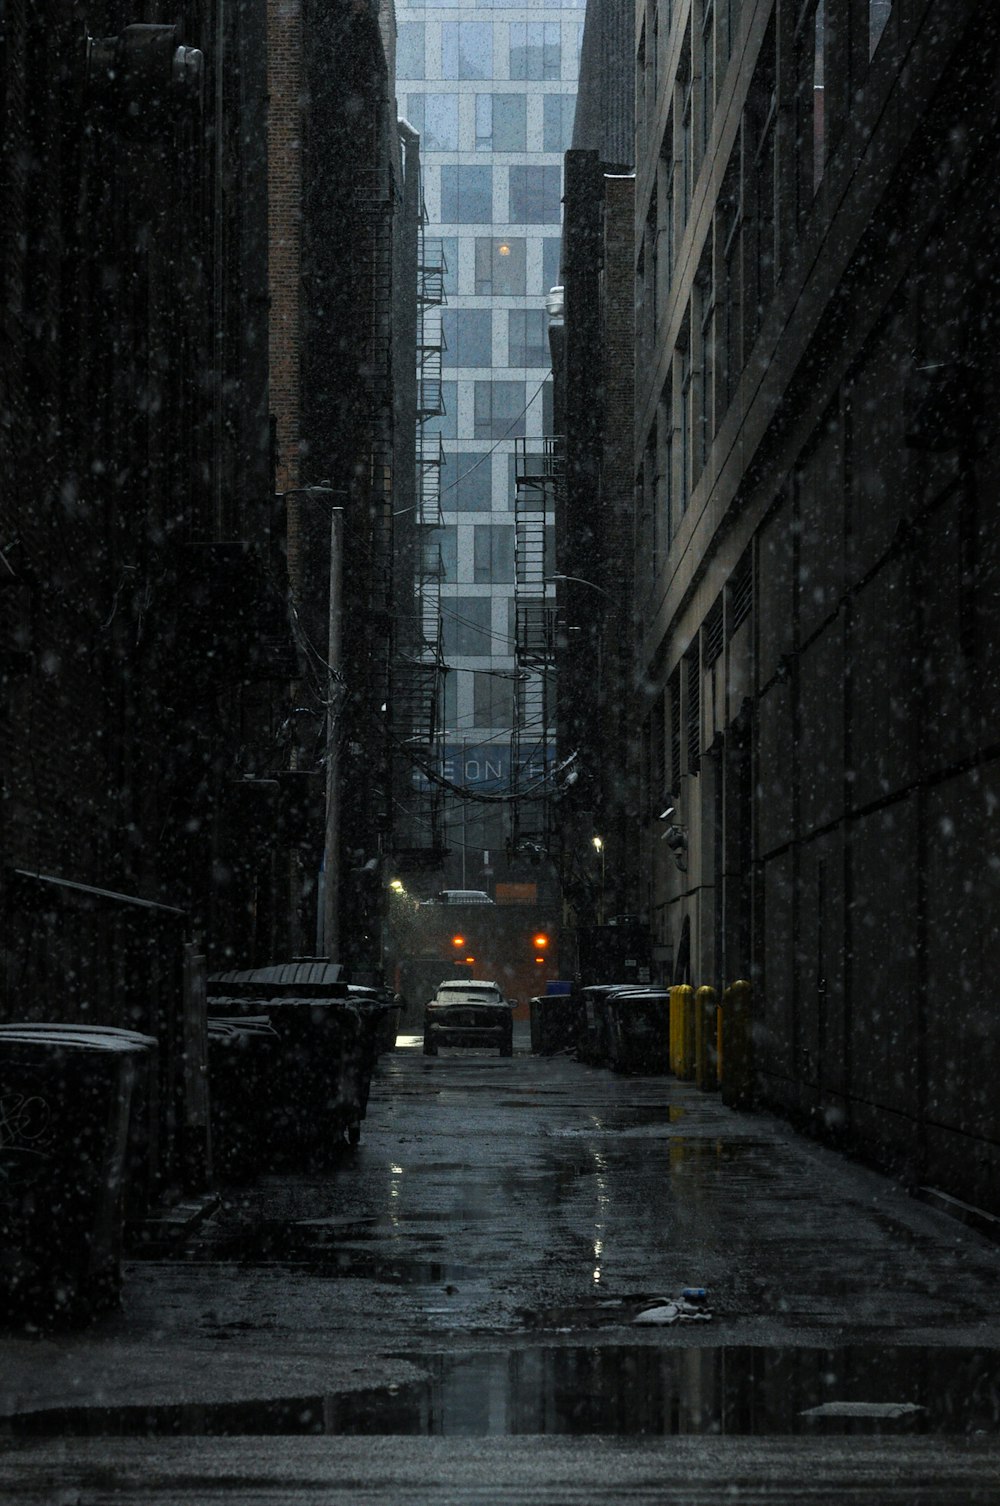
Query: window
x=449, y=698
x=498, y=410
x=435, y=116
x=468, y=335
x=674, y=700
x=693, y=687
x=500, y=265
x=684, y=364
x=449, y=248
x=532, y=463
x=445, y=542
x=878, y=18
x=466, y=195
x=493, y=554
x=410, y=50
x=557, y=122
x=548, y=408
x=500, y=123
x=528, y=338
x=466, y=49
x=535, y=195
x=551, y=247
x=465, y=624
x=707, y=74
x=493, y=700
x=445, y=423
x=467, y=481
x=819, y=93
x=535, y=50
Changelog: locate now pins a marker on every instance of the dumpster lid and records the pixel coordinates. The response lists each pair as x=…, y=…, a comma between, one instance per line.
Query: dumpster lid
x=58, y=1028
x=80, y=1039
x=280, y=974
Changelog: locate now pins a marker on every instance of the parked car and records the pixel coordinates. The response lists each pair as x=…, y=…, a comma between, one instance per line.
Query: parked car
x=468, y=1012
x=460, y=897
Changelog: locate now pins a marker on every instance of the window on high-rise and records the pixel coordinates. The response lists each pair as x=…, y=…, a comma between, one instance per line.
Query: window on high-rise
x=535, y=50
x=410, y=50
x=551, y=248
x=467, y=49
x=468, y=335
x=493, y=700
x=466, y=624
x=501, y=123
x=467, y=481
x=466, y=194
x=445, y=423
x=528, y=338
x=535, y=195
x=500, y=265
x=493, y=553
x=879, y=12
x=498, y=410
x=557, y=122
x=449, y=248
x=435, y=116
x=445, y=542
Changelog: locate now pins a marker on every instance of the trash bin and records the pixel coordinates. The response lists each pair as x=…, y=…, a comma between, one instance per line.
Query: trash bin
x=555, y=1023
x=65, y=1109
x=313, y=1081
x=639, y=1030
x=593, y=1038
x=142, y=1154
x=240, y=1061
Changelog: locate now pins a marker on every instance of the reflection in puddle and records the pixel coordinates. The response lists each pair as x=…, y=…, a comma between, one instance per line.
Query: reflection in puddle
x=317, y=1248
x=627, y=1390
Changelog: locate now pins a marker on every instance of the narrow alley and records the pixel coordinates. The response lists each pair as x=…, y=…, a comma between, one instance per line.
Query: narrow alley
x=449, y=1314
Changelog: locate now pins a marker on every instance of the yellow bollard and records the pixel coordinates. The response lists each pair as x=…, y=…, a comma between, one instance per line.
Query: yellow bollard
x=705, y=1045
x=736, y=1054
x=682, y=1031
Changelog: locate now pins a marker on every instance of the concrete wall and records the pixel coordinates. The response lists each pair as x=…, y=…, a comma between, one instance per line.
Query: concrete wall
x=860, y=678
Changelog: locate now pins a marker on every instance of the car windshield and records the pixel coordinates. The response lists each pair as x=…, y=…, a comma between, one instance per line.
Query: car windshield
x=469, y=991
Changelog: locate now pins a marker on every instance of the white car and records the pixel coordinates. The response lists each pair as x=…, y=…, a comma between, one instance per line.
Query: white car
x=468, y=1012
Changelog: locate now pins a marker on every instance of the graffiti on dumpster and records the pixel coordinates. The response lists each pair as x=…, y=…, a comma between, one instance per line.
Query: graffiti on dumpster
x=26, y=1123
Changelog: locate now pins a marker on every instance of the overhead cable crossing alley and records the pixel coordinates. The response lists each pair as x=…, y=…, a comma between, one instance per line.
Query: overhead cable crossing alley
x=538, y=478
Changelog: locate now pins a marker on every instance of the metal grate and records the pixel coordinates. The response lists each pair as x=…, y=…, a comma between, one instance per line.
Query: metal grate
x=712, y=636
x=693, y=712
x=741, y=593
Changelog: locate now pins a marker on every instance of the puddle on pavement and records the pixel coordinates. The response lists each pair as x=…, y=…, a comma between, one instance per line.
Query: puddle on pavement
x=627, y=1390
x=317, y=1248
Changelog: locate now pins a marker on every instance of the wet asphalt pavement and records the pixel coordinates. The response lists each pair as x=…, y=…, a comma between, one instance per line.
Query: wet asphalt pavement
x=448, y=1314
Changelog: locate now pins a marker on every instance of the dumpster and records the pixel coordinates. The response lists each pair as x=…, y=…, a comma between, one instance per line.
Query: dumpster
x=555, y=1022
x=352, y=1039
x=313, y=1084
x=240, y=1061
x=66, y=1095
x=639, y=1030
x=593, y=1038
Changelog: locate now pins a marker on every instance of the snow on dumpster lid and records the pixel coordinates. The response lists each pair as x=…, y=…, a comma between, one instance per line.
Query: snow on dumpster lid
x=73, y=1039
x=314, y=973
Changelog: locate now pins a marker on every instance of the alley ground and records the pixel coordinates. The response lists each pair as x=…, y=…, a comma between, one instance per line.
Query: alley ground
x=448, y=1315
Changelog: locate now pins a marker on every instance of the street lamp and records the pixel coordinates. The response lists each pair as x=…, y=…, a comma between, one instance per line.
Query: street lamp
x=598, y=845
x=578, y=580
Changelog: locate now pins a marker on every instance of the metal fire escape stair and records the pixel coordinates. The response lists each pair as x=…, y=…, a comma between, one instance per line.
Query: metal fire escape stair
x=537, y=475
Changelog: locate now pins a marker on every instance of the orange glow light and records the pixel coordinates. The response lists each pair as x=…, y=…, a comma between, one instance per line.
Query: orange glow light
x=540, y=943
x=458, y=941
x=539, y=959
x=470, y=959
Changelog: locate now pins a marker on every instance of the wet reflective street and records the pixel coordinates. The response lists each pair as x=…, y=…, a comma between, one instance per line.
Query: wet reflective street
x=455, y=1298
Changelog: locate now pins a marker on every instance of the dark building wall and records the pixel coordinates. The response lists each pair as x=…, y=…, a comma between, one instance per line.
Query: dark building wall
x=605, y=103
x=816, y=464
x=134, y=469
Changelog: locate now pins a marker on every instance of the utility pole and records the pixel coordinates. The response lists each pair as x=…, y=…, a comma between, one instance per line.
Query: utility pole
x=331, y=844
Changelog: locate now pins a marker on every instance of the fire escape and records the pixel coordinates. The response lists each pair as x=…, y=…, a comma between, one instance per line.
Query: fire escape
x=372, y=522
x=420, y=667
x=538, y=478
